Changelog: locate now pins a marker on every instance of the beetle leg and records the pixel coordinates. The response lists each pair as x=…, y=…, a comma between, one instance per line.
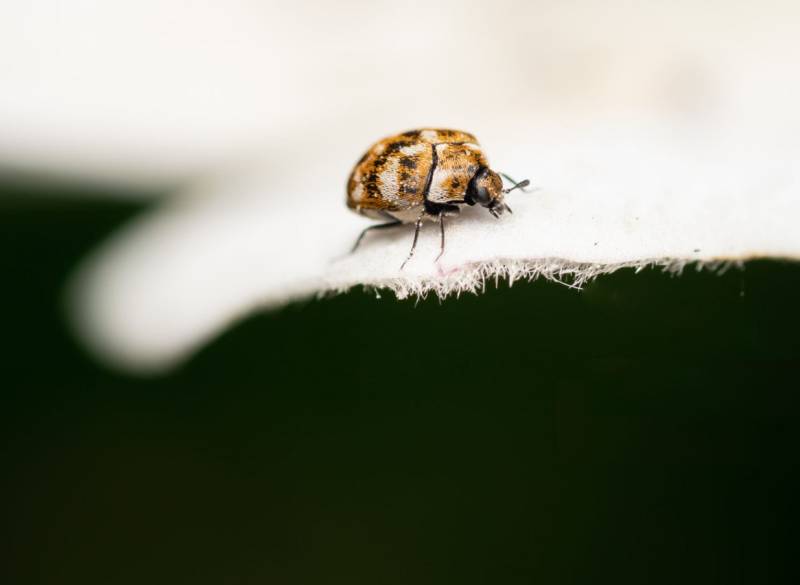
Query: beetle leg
x=379, y=226
x=441, y=227
x=416, y=237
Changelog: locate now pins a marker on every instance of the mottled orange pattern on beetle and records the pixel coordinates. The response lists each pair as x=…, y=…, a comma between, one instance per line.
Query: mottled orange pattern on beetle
x=392, y=175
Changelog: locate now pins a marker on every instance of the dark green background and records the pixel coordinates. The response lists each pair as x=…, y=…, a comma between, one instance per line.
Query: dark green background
x=643, y=430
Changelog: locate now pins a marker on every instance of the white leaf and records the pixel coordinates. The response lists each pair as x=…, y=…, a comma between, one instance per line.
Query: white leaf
x=176, y=278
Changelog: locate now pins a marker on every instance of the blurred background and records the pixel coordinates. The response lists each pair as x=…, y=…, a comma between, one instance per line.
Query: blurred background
x=641, y=430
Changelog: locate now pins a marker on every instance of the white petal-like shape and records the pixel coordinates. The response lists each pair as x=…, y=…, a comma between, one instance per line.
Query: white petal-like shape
x=172, y=279
x=175, y=278
x=654, y=132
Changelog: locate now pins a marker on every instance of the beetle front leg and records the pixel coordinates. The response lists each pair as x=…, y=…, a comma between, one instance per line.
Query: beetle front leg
x=416, y=237
x=441, y=227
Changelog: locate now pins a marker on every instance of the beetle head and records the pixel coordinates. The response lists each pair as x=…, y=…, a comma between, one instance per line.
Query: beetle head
x=486, y=189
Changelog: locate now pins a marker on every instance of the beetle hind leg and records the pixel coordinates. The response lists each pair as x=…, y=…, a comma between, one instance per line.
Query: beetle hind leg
x=379, y=226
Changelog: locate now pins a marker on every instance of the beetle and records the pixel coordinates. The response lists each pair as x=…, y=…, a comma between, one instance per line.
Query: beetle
x=425, y=174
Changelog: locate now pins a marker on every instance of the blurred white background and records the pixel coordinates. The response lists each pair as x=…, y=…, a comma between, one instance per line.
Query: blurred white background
x=158, y=90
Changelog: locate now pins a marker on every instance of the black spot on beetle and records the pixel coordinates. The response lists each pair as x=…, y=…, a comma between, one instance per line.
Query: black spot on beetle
x=380, y=161
x=395, y=146
x=408, y=162
x=411, y=133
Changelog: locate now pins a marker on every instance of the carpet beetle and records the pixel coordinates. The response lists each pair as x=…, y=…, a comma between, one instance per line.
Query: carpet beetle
x=424, y=174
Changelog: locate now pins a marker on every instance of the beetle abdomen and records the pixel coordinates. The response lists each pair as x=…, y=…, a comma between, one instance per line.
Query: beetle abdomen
x=396, y=173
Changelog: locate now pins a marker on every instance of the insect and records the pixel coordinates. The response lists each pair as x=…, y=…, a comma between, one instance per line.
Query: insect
x=425, y=174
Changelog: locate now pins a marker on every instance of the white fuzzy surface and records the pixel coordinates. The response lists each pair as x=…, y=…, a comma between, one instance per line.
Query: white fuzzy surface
x=474, y=278
x=174, y=279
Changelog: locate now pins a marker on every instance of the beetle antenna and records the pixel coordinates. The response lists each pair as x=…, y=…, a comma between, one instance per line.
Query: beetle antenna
x=520, y=185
